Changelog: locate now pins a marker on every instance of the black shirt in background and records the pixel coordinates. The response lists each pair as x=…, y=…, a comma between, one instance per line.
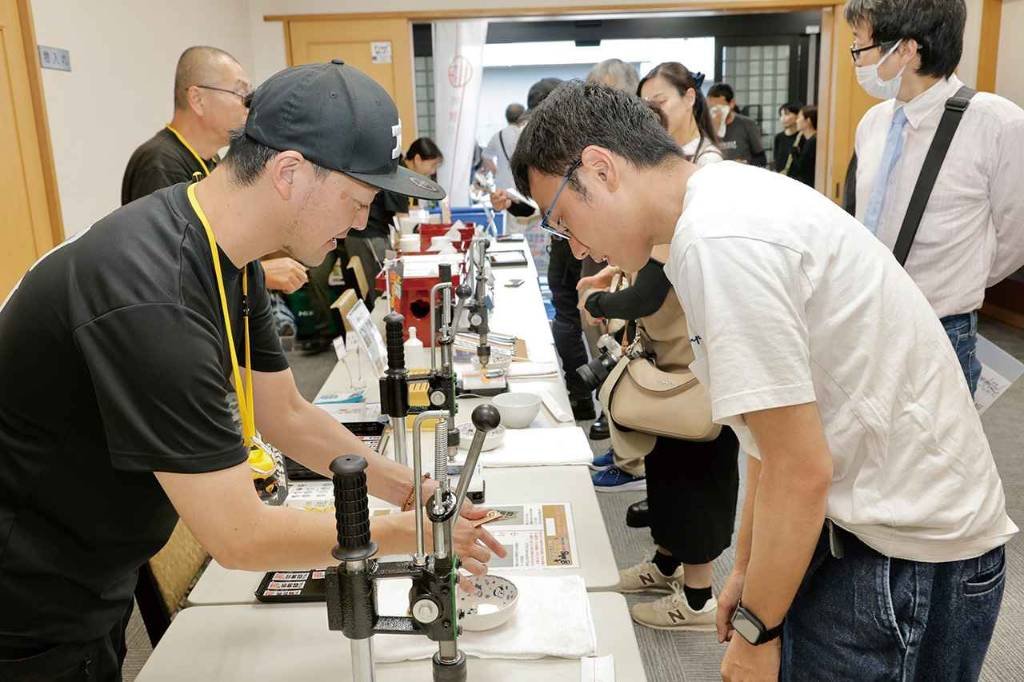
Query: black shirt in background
x=161, y=161
x=742, y=142
x=781, y=148
x=804, y=160
x=643, y=297
x=115, y=365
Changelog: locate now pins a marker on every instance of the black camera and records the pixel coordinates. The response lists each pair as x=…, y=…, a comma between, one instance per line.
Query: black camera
x=596, y=371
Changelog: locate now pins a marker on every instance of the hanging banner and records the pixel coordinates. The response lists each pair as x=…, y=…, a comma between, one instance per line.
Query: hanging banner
x=458, y=70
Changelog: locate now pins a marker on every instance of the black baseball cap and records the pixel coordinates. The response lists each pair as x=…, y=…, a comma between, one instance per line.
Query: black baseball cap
x=339, y=118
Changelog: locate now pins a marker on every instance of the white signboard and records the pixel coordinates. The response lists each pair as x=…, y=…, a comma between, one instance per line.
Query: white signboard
x=380, y=53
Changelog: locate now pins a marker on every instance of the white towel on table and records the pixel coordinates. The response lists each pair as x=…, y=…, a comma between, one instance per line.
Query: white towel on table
x=552, y=618
x=555, y=446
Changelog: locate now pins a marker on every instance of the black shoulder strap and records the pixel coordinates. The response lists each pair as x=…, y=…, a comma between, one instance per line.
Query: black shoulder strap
x=955, y=108
x=501, y=141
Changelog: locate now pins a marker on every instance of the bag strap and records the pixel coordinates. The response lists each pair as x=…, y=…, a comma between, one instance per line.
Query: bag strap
x=955, y=108
x=501, y=141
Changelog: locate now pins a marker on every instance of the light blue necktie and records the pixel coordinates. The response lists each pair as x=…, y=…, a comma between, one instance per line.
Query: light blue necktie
x=891, y=155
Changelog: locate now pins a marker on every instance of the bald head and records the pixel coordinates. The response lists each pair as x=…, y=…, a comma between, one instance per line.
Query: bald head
x=199, y=65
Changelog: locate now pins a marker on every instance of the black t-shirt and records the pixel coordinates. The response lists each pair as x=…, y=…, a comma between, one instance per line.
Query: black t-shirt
x=742, y=140
x=804, y=160
x=781, y=148
x=382, y=209
x=115, y=365
x=161, y=161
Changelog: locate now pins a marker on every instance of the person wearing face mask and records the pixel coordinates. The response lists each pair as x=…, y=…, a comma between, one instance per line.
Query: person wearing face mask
x=211, y=91
x=785, y=138
x=971, y=233
x=739, y=136
x=804, y=154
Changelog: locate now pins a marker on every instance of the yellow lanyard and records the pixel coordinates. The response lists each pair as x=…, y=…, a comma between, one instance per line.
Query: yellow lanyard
x=246, y=406
x=206, y=171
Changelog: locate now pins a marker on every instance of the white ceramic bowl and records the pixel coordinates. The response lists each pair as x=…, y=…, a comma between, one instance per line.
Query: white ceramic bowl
x=518, y=410
x=491, y=603
x=492, y=439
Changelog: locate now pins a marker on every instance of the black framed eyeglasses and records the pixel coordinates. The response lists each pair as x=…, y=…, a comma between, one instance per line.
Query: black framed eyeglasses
x=855, y=51
x=246, y=97
x=544, y=224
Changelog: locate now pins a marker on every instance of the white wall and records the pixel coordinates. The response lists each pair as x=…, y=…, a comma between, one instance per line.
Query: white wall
x=120, y=89
x=1010, y=68
x=268, y=37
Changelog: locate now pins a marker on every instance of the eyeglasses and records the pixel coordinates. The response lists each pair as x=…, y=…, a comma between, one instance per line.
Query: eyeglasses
x=544, y=224
x=246, y=97
x=855, y=51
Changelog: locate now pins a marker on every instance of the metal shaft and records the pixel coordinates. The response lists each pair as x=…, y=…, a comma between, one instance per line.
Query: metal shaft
x=401, y=444
x=362, y=660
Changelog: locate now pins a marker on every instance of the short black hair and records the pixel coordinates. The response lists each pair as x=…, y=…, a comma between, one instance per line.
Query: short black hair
x=791, y=107
x=810, y=112
x=722, y=90
x=247, y=159
x=578, y=115
x=936, y=25
x=425, y=148
x=514, y=112
x=540, y=90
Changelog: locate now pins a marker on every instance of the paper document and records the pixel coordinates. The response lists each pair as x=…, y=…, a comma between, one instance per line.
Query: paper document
x=555, y=446
x=535, y=536
x=999, y=370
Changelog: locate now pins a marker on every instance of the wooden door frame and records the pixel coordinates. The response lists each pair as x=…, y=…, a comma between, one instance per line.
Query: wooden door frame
x=35, y=82
x=988, y=44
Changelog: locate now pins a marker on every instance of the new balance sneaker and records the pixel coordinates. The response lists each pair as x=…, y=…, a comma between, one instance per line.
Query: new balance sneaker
x=673, y=613
x=602, y=462
x=614, y=480
x=646, y=577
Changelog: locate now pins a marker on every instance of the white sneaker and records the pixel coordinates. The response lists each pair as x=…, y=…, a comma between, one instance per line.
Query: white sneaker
x=674, y=613
x=646, y=577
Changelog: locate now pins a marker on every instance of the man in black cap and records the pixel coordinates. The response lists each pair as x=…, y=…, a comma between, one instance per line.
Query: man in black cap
x=117, y=353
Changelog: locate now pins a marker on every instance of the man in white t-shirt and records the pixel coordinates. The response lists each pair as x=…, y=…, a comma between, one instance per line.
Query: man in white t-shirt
x=873, y=530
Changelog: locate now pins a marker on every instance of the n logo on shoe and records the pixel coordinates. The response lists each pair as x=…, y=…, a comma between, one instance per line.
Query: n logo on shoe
x=677, y=617
x=647, y=578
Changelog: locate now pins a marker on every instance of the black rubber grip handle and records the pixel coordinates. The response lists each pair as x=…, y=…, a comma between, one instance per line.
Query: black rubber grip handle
x=394, y=331
x=351, y=509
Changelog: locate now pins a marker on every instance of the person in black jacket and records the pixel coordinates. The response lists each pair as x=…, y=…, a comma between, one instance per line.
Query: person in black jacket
x=805, y=150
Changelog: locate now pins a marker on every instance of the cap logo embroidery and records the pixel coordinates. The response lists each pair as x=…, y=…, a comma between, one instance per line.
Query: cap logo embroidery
x=396, y=131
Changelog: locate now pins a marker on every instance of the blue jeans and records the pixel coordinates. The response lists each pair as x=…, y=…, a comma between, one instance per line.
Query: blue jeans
x=963, y=334
x=870, y=617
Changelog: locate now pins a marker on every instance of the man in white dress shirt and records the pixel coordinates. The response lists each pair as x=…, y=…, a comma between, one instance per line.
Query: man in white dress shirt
x=971, y=235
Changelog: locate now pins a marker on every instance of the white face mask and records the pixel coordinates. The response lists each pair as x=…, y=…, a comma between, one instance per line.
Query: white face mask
x=869, y=79
x=723, y=111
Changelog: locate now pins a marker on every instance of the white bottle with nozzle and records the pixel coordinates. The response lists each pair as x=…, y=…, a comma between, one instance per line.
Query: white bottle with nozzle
x=413, y=341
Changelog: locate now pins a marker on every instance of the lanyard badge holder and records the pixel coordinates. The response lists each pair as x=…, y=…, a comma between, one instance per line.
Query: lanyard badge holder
x=267, y=469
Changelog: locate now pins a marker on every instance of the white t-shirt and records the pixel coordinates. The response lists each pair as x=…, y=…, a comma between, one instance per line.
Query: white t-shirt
x=790, y=300
x=500, y=150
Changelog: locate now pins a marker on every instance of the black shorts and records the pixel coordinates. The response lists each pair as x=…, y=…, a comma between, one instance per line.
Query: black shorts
x=692, y=489
x=97, y=661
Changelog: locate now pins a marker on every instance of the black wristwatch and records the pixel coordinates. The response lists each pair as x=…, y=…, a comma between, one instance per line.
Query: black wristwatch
x=751, y=628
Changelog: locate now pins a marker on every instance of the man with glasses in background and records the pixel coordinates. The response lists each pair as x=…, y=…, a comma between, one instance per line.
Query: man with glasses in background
x=971, y=233
x=211, y=96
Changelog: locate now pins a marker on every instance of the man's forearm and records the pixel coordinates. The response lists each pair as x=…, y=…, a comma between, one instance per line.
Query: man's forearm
x=312, y=437
x=746, y=530
x=795, y=475
x=291, y=539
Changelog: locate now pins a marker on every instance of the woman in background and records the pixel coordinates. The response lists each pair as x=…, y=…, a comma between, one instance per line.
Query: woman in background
x=805, y=151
